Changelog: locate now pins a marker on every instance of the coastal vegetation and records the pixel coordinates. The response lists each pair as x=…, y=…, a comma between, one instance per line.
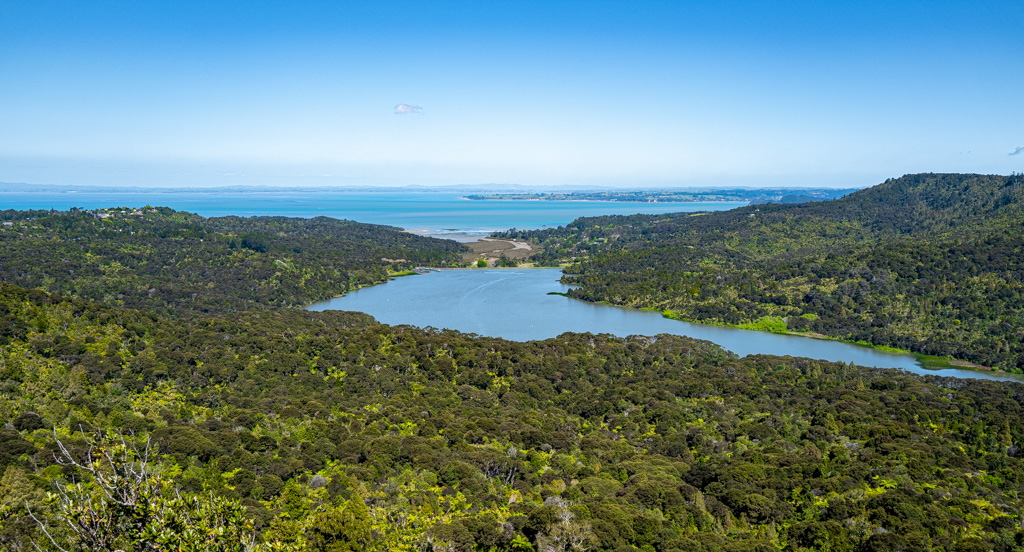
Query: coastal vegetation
x=210, y=415
x=169, y=261
x=930, y=263
x=296, y=430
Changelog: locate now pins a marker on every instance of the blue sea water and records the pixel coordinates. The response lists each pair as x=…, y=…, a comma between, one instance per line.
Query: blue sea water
x=431, y=213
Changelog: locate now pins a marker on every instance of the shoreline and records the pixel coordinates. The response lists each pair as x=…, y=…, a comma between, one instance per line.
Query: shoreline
x=926, y=362
x=600, y=200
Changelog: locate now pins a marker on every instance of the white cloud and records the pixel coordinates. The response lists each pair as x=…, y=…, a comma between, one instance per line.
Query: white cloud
x=402, y=109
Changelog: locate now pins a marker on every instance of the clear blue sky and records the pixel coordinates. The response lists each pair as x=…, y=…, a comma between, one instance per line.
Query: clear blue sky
x=155, y=93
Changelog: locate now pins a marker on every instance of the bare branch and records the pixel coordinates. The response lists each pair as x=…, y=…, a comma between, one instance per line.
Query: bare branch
x=45, y=530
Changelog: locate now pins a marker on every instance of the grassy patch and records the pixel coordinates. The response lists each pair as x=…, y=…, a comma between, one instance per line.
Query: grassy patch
x=885, y=348
x=773, y=324
x=669, y=313
x=933, y=362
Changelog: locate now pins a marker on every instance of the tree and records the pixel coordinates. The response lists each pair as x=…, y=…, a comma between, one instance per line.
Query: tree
x=341, y=528
x=17, y=494
x=567, y=534
x=117, y=502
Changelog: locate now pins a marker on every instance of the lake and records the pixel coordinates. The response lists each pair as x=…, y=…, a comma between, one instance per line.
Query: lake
x=515, y=304
x=431, y=213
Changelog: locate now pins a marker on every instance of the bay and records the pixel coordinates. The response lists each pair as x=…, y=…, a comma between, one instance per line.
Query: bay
x=516, y=304
x=438, y=214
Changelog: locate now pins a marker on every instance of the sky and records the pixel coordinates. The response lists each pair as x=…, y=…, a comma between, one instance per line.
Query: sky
x=549, y=93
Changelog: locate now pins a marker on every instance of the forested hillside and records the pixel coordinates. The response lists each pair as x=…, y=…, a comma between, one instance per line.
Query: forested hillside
x=931, y=263
x=327, y=431
x=260, y=427
x=163, y=260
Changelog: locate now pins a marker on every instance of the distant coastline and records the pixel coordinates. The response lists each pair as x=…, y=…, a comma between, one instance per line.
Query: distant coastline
x=476, y=192
x=747, y=195
x=498, y=197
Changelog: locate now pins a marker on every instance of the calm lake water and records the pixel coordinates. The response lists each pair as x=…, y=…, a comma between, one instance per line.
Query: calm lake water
x=514, y=304
x=432, y=213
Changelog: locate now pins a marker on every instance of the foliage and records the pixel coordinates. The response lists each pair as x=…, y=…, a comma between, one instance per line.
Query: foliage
x=931, y=263
x=283, y=429
x=337, y=433
x=506, y=262
x=173, y=262
x=122, y=505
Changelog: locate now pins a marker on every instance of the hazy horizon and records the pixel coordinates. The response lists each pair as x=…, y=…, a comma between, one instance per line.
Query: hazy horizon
x=535, y=94
x=297, y=184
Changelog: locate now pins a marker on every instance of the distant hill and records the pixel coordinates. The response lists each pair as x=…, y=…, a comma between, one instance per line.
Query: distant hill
x=931, y=263
x=798, y=199
x=171, y=261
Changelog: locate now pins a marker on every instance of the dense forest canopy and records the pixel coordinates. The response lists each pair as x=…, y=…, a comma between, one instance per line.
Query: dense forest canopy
x=931, y=263
x=165, y=260
x=208, y=415
x=336, y=433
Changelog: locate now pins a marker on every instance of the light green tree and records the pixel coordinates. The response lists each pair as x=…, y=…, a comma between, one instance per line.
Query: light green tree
x=117, y=501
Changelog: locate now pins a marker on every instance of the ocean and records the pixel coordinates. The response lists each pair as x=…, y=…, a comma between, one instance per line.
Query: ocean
x=431, y=213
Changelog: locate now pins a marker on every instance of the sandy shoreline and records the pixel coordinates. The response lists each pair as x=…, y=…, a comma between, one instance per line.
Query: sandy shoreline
x=484, y=247
x=492, y=249
x=461, y=237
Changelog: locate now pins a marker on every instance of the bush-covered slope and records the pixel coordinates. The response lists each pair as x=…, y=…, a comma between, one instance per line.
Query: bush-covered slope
x=930, y=263
x=159, y=259
x=337, y=433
